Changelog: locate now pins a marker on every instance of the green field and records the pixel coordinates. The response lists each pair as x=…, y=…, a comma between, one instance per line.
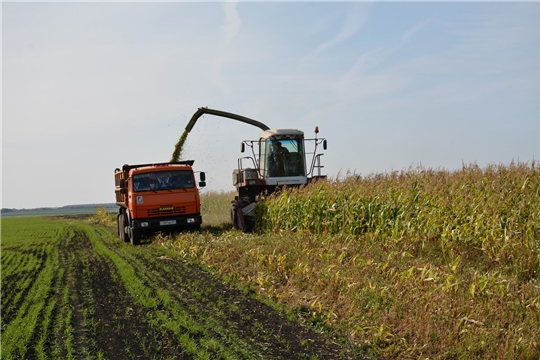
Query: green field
x=405, y=265
x=72, y=290
x=64, y=210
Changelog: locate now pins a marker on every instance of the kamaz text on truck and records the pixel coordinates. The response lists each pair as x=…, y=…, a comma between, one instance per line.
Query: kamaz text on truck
x=155, y=197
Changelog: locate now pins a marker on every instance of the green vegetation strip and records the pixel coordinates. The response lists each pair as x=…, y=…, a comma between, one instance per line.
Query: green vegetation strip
x=188, y=323
x=72, y=290
x=29, y=260
x=414, y=264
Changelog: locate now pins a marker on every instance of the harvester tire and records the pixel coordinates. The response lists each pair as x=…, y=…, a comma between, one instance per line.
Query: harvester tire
x=234, y=214
x=244, y=223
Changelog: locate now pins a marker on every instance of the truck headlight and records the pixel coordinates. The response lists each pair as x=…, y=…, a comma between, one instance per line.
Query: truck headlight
x=190, y=220
x=144, y=224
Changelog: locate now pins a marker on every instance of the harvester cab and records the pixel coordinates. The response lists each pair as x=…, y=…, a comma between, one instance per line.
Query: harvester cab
x=280, y=157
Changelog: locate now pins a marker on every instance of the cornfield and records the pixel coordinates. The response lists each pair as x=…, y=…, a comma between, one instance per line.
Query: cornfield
x=495, y=210
x=413, y=264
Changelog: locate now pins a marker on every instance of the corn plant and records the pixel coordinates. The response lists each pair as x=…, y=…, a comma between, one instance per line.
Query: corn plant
x=420, y=263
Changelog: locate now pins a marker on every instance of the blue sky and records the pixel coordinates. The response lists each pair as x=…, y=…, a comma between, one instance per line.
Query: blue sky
x=88, y=87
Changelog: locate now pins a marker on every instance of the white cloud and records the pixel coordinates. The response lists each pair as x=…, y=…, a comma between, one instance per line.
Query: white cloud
x=232, y=24
x=354, y=21
x=229, y=31
x=361, y=80
x=407, y=36
x=355, y=18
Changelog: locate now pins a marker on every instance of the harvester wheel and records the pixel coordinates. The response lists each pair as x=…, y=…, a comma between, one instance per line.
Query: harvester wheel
x=244, y=223
x=234, y=214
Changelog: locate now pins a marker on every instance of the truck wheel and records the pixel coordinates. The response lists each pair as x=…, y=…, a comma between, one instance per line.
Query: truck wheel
x=120, y=224
x=122, y=229
x=126, y=232
x=135, y=236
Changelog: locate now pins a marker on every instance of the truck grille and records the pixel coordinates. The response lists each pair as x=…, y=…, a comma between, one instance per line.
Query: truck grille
x=177, y=210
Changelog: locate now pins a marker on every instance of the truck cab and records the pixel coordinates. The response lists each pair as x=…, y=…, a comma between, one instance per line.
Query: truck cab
x=156, y=197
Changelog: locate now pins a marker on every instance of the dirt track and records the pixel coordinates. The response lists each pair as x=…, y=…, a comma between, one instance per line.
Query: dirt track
x=144, y=302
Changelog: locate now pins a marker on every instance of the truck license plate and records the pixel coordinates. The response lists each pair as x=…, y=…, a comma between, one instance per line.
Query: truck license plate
x=168, y=222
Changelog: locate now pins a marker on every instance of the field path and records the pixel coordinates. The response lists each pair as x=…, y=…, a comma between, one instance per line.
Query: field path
x=101, y=298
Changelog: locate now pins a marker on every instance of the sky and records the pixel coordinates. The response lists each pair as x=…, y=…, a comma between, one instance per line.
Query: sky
x=88, y=87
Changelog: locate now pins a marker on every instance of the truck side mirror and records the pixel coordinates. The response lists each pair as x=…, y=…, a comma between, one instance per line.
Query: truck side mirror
x=202, y=184
x=122, y=183
x=242, y=147
x=202, y=175
x=123, y=191
x=324, y=144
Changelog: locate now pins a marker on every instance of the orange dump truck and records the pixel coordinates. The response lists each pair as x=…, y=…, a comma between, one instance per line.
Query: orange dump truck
x=155, y=197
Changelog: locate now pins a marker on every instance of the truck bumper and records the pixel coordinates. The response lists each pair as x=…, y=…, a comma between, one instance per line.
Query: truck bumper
x=185, y=221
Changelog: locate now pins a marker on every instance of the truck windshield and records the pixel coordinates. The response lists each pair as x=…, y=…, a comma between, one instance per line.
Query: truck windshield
x=163, y=180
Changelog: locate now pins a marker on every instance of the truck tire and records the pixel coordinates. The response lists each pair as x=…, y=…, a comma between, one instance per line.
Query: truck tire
x=135, y=236
x=120, y=223
x=122, y=230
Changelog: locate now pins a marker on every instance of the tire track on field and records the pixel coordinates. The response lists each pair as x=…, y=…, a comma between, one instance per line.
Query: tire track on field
x=62, y=314
x=257, y=323
x=223, y=309
x=106, y=319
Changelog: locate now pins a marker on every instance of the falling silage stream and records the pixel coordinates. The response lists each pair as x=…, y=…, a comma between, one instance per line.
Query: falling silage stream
x=177, y=153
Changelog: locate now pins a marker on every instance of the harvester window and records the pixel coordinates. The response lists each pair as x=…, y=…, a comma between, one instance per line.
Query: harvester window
x=285, y=158
x=279, y=156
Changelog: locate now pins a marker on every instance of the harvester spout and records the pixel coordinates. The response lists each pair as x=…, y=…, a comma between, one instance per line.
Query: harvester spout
x=201, y=111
